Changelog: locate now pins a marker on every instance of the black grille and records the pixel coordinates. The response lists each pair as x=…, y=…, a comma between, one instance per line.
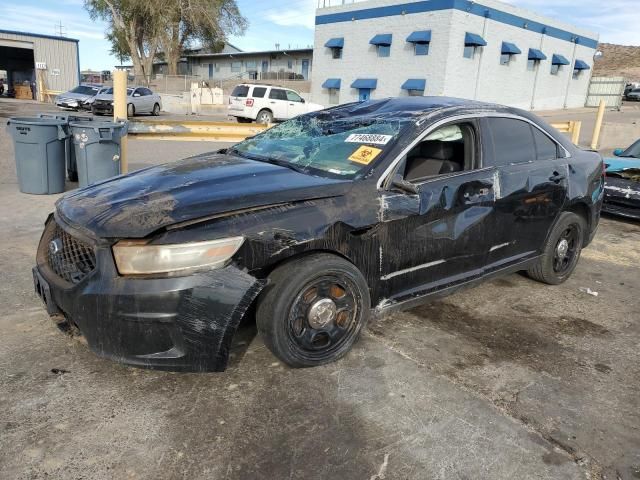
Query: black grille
x=71, y=259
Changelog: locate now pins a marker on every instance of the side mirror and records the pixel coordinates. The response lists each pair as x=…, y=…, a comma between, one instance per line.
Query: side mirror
x=400, y=183
x=136, y=94
x=618, y=151
x=302, y=100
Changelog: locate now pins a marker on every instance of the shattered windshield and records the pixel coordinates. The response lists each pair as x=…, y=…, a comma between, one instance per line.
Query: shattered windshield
x=338, y=148
x=632, y=151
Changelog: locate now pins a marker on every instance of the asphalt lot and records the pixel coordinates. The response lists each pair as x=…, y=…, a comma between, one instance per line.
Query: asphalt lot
x=510, y=380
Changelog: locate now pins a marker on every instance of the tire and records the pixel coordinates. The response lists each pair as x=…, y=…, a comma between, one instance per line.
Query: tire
x=284, y=314
x=72, y=176
x=264, y=116
x=156, y=110
x=554, y=267
x=131, y=110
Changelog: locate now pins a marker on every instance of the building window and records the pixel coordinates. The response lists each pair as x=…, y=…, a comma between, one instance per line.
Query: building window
x=289, y=64
x=532, y=64
x=336, y=53
x=251, y=64
x=555, y=69
x=384, y=50
x=236, y=66
x=576, y=73
x=505, y=58
x=416, y=93
x=469, y=51
x=334, y=96
x=422, y=48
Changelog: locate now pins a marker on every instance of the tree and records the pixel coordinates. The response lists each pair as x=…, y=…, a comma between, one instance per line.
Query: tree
x=208, y=22
x=135, y=29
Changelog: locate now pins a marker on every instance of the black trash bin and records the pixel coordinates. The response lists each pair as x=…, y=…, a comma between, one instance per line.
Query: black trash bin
x=97, y=149
x=70, y=152
x=39, y=153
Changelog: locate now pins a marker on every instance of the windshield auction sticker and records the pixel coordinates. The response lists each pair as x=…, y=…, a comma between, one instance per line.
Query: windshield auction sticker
x=365, y=154
x=373, y=138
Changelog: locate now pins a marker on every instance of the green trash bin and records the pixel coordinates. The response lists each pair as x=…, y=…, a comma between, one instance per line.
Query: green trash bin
x=40, y=153
x=97, y=149
x=70, y=151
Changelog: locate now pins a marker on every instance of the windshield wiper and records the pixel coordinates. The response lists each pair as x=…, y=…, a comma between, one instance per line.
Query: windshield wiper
x=271, y=160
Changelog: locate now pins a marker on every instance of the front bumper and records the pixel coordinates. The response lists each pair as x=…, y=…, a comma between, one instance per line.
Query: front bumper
x=69, y=105
x=176, y=323
x=102, y=108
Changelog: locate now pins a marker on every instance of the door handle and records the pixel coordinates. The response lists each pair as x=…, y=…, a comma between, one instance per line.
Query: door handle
x=557, y=177
x=272, y=102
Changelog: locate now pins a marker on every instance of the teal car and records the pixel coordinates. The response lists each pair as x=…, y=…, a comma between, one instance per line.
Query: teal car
x=622, y=186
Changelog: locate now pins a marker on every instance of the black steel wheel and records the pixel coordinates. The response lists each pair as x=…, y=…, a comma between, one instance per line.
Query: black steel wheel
x=313, y=310
x=562, y=250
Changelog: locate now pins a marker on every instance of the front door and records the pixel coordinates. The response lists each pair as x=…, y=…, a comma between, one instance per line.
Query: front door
x=278, y=103
x=305, y=69
x=532, y=180
x=364, y=94
x=436, y=236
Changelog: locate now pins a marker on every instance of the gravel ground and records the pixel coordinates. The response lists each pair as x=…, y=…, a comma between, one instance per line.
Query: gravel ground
x=512, y=379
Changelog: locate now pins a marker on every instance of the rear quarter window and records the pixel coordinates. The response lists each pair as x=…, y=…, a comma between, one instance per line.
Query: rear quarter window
x=258, y=92
x=512, y=142
x=240, y=91
x=546, y=149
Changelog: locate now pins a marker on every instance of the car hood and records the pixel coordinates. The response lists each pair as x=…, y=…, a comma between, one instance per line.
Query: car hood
x=104, y=96
x=138, y=204
x=617, y=164
x=75, y=96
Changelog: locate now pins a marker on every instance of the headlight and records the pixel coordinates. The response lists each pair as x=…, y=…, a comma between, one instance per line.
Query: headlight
x=135, y=258
x=111, y=103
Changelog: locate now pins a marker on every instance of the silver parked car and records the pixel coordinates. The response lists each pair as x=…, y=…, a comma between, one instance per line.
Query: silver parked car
x=139, y=100
x=80, y=97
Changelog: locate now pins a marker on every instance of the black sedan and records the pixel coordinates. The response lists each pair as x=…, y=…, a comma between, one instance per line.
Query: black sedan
x=314, y=226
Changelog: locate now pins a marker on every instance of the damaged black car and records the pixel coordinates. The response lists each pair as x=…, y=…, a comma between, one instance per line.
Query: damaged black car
x=313, y=227
x=622, y=186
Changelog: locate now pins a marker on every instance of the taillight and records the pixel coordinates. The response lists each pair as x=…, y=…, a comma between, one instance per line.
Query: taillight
x=248, y=102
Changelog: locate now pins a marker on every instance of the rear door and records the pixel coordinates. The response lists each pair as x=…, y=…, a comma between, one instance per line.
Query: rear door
x=531, y=183
x=278, y=103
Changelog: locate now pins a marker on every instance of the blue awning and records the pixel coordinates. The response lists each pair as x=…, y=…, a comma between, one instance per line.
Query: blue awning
x=559, y=60
x=535, y=54
x=510, y=48
x=473, y=40
x=331, y=83
x=365, y=83
x=335, y=43
x=423, y=36
x=580, y=65
x=381, y=39
x=414, y=84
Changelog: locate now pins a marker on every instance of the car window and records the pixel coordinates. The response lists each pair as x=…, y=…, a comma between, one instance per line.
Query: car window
x=448, y=149
x=546, y=149
x=337, y=148
x=277, y=94
x=240, y=91
x=293, y=96
x=258, y=92
x=512, y=142
x=145, y=92
x=129, y=92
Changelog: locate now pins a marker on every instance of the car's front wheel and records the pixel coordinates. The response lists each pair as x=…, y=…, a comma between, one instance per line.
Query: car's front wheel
x=313, y=310
x=561, y=251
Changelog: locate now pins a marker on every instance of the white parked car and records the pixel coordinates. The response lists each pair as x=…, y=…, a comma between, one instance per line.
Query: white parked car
x=266, y=103
x=139, y=100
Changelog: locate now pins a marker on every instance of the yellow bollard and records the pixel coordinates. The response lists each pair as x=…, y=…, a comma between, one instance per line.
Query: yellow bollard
x=120, y=112
x=598, y=126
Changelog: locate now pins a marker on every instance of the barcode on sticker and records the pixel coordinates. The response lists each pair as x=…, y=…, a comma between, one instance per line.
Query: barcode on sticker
x=373, y=138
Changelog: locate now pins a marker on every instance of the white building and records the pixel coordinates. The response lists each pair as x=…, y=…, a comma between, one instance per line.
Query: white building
x=485, y=50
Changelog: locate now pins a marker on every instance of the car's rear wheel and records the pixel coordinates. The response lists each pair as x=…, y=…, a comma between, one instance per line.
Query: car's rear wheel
x=156, y=110
x=264, y=116
x=131, y=110
x=562, y=250
x=313, y=310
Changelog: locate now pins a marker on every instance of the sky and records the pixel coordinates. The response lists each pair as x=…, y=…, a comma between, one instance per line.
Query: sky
x=290, y=22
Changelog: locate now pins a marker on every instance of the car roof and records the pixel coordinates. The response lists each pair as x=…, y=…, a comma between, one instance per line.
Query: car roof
x=264, y=85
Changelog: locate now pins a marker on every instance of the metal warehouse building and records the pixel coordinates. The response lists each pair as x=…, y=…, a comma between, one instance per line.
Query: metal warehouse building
x=484, y=50
x=38, y=63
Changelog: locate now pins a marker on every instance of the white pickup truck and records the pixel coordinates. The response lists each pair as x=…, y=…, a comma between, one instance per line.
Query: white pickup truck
x=266, y=103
